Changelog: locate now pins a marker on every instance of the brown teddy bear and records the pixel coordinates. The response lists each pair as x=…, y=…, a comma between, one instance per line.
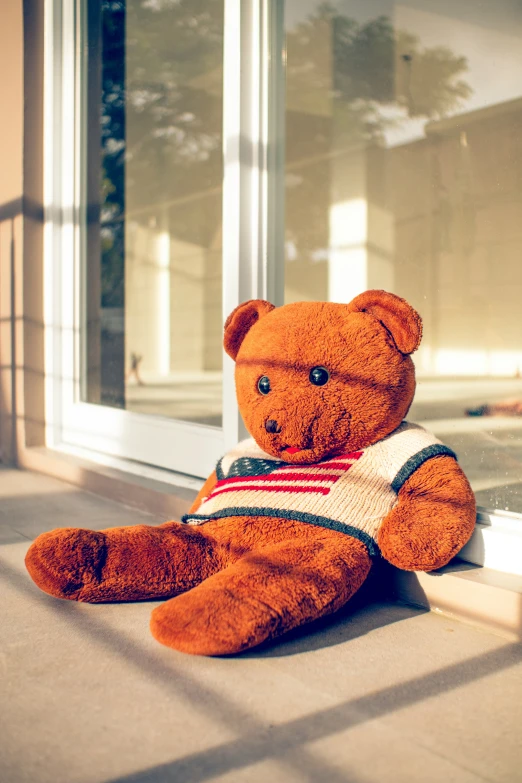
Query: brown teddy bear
x=285, y=530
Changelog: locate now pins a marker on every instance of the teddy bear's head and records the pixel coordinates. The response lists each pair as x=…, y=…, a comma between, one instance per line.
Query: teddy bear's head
x=317, y=379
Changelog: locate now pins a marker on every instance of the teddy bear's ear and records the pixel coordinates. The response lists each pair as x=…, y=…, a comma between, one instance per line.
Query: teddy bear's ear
x=396, y=315
x=240, y=321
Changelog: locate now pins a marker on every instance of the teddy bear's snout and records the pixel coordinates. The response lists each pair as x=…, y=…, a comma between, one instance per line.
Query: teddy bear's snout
x=272, y=426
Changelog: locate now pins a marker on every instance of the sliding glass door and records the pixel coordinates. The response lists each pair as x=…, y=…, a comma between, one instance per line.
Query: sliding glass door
x=153, y=252
x=162, y=150
x=404, y=172
x=149, y=156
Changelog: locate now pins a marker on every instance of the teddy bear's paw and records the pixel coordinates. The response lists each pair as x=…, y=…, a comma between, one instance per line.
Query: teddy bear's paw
x=198, y=624
x=67, y=563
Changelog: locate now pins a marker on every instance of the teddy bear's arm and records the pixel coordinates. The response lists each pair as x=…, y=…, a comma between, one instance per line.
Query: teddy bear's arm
x=433, y=519
x=205, y=490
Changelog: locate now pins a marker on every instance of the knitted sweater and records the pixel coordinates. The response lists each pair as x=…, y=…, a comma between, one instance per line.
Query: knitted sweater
x=352, y=493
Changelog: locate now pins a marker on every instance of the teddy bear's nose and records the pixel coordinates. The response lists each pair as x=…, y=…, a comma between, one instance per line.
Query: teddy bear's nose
x=271, y=425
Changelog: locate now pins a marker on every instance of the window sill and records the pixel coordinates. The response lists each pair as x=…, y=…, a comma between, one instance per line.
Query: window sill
x=159, y=492
x=478, y=596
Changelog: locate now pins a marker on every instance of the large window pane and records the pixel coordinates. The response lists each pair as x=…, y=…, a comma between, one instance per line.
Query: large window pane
x=404, y=172
x=153, y=271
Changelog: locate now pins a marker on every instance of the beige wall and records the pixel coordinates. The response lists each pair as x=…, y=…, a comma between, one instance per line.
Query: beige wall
x=456, y=201
x=21, y=221
x=378, y=195
x=436, y=220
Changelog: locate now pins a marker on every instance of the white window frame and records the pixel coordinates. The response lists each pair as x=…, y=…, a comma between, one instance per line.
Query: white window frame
x=252, y=232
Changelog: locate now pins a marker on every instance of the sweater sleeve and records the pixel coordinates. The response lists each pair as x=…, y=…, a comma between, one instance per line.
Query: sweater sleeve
x=406, y=449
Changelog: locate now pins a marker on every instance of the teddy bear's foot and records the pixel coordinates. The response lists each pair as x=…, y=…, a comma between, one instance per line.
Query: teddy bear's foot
x=263, y=595
x=121, y=564
x=64, y=561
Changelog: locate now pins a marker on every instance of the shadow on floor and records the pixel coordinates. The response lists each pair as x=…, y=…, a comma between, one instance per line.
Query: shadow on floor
x=370, y=608
x=289, y=743
x=278, y=742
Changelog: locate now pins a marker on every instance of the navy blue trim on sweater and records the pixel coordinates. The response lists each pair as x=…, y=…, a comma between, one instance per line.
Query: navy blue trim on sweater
x=251, y=466
x=219, y=470
x=409, y=467
x=297, y=516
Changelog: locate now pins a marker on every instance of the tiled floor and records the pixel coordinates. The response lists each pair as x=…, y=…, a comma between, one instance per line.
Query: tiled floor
x=382, y=693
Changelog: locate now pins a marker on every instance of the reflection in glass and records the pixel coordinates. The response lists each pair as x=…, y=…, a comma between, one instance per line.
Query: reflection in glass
x=153, y=245
x=404, y=172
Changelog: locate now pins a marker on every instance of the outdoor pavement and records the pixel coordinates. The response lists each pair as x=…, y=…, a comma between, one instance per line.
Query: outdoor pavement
x=381, y=693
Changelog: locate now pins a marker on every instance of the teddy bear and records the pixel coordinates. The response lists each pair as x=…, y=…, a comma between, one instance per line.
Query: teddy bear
x=287, y=527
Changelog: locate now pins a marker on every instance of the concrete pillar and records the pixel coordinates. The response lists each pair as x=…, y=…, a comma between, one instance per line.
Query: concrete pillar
x=361, y=228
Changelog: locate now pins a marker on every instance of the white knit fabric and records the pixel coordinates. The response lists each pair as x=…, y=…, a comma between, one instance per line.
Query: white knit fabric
x=354, y=490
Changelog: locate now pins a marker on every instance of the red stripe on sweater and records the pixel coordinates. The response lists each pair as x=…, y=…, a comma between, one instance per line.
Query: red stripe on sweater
x=277, y=477
x=319, y=490
x=327, y=466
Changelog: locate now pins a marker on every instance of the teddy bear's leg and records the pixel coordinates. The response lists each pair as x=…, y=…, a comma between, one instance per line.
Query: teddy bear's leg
x=122, y=564
x=264, y=594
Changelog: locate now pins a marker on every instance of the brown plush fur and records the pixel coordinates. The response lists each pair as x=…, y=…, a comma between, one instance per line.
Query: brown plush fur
x=400, y=319
x=238, y=581
x=278, y=577
x=433, y=519
x=370, y=389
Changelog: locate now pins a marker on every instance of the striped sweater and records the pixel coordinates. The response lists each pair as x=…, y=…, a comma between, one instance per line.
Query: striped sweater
x=352, y=493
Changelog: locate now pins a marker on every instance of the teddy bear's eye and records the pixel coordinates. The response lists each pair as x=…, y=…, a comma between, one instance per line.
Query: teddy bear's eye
x=319, y=376
x=263, y=384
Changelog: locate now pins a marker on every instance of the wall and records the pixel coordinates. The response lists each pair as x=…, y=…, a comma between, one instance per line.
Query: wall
x=21, y=228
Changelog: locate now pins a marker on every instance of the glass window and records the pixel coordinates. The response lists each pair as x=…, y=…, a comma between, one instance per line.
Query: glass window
x=153, y=266
x=404, y=172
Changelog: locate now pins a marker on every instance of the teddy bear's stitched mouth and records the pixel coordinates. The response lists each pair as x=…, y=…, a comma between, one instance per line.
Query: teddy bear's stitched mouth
x=306, y=454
